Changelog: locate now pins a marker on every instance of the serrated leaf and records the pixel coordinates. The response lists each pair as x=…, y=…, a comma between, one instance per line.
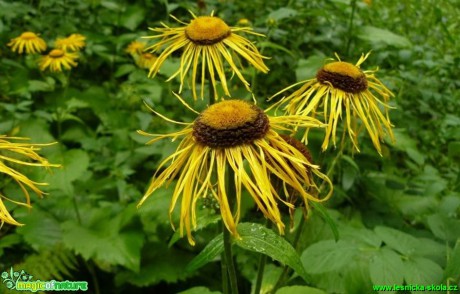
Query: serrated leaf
x=300, y=289
x=386, y=268
x=74, y=163
x=421, y=271
x=397, y=240
x=208, y=254
x=257, y=238
x=382, y=36
x=40, y=230
x=326, y=256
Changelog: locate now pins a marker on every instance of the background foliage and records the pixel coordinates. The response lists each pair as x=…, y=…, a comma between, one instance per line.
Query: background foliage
x=397, y=216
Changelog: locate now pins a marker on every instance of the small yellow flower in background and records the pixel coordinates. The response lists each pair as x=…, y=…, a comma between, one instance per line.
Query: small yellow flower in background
x=11, y=152
x=146, y=60
x=210, y=41
x=74, y=42
x=368, y=2
x=341, y=88
x=27, y=42
x=57, y=59
x=236, y=135
x=135, y=48
x=243, y=22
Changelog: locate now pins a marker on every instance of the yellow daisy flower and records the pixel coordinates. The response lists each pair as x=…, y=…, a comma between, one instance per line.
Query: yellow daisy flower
x=210, y=41
x=74, y=42
x=145, y=60
x=341, y=88
x=135, y=48
x=236, y=135
x=57, y=59
x=29, y=41
x=10, y=152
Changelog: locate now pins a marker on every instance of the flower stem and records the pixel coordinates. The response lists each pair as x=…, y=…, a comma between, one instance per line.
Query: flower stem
x=350, y=26
x=231, y=193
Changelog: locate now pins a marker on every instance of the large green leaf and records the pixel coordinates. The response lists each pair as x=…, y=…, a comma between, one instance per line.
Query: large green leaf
x=74, y=163
x=382, y=36
x=257, y=238
x=397, y=240
x=386, y=268
x=208, y=254
x=199, y=290
x=421, y=271
x=326, y=256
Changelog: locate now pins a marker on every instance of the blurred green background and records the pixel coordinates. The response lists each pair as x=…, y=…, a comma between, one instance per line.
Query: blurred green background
x=397, y=215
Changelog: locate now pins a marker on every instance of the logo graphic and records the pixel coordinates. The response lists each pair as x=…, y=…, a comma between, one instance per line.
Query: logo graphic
x=22, y=281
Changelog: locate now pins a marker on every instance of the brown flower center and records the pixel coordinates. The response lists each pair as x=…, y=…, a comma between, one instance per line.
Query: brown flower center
x=230, y=123
x=344, y=76
x=207, y=30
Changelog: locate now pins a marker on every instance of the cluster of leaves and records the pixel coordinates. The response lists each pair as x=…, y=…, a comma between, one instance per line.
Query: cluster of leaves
x=397, y=217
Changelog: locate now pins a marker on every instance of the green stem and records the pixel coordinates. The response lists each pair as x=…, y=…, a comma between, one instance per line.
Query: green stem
x=224, y=270
x=231, y=193
x=261, y=268
x=350, y=26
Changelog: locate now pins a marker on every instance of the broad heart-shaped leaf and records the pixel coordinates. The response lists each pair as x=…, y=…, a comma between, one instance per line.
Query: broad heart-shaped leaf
x=386, y=268
x=381, y=36
x=328, y=255
x=257, y=238
x=208, y=254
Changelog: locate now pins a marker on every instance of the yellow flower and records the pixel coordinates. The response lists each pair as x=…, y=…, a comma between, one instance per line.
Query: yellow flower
x=243, y=22
x=10, y=152
x=210, y=41
x=341, y=88
x=135, y=48
x=146, y=60
x=74, y=42
x=57, y=59
x=28, y=41
x=238, y=136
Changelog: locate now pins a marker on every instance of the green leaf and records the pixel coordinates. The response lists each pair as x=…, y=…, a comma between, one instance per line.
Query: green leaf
x=381, y=36
x=199, y=290
x=208, y=254
x=282, y=13
x=132, y=17
x=421, y=271
x=386, y=268
x=397, y=240
x=307, y=68
x=124, y=69
x=40, y=230
x=453, y=150
x=452, y=270
x=326, y=256
x=75, y=163
x=444, y=227
x=257, y=238
x=299, y=289
x=327, y=218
